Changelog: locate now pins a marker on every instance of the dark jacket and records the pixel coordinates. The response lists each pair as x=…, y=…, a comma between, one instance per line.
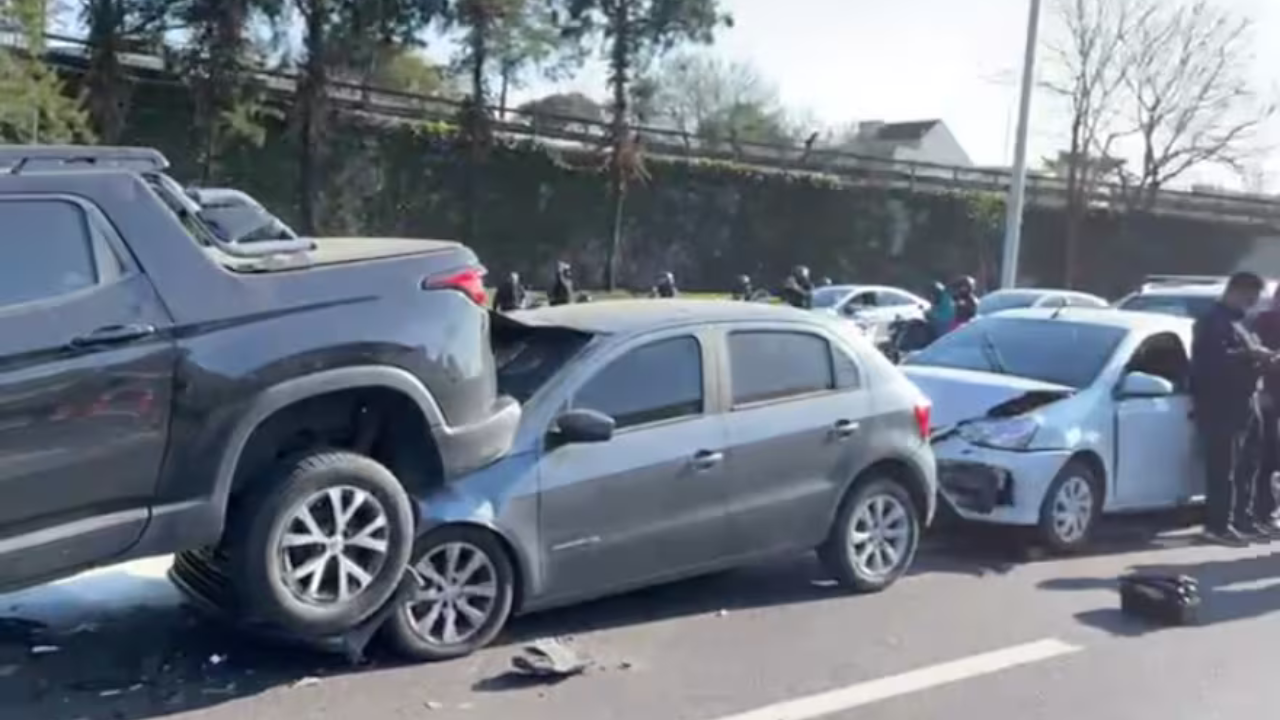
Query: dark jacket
x=562, y=292
x=1224, y=373
x=1266, y=326
x=966, y=308
x=797, y=294
x=509, y=296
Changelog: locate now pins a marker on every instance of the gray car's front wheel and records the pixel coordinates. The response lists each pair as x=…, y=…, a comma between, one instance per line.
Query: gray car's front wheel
x=875, y=536
x=465, y=594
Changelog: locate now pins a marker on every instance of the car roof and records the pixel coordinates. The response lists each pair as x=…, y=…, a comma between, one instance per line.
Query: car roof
x=1127, y=319
x=640, y=315
x=1038, y=291
x=1194, y=289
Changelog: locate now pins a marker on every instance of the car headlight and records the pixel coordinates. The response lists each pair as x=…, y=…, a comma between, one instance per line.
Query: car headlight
x=1002, y=434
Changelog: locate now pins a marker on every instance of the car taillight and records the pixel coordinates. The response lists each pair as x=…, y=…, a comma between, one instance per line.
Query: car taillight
x=923, y=410
x=469, y=282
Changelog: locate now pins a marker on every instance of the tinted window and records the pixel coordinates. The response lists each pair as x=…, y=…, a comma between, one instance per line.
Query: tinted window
x=1086, y=301
x=527, y=358
x=45, y=251
x=1056, y=351
x=1192, y=307
x=888, y=298
x=828, y=296
x=659, y=381
x=773, y=365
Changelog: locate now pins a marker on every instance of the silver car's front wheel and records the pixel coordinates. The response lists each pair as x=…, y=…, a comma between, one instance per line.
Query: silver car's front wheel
x=1071, y=507
x=875, y=536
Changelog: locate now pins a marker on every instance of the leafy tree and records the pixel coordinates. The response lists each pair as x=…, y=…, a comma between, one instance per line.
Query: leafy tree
x=528, y=39
x=635, y=32
x=115, y=27
x=560, y=111
x=702, y=95
x=408, y=71
x=34, y=105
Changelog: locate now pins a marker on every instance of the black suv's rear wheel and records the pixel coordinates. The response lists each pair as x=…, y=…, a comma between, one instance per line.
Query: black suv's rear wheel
x=465, y=595
x=323, y=544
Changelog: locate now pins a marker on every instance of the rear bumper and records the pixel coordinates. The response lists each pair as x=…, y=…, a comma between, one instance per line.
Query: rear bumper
x=469, y=447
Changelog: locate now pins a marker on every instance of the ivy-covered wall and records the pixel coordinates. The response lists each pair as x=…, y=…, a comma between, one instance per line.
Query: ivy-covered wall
x=706, y=222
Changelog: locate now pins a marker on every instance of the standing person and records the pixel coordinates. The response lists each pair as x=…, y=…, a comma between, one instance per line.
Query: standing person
x=1225, y=364
x=510, y=295
x=1267, y=327
x=666, y=287
x=966, y=300
x=562, y=289
x=797, y=290
x=742, y=289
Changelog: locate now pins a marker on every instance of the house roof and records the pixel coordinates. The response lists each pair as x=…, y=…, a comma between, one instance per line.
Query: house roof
x=906, y=131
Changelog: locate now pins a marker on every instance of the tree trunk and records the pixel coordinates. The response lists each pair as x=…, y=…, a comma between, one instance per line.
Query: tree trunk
x=106, y=85
x=620, y=63
x=503, y=90
x=312, y=104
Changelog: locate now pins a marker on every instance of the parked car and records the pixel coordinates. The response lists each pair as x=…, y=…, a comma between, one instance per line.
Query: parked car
x=1049, y=419
x=267, y=412
x=667, y=439
x=1183, y=295
x=1014, y=298
x=874, y=308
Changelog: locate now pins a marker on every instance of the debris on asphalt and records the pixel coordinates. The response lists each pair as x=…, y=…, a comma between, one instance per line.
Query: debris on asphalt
x=465, y=706
x=625, y=666
x=309, y=681
x=44, y=649
x=549, y=659
x=433, y=705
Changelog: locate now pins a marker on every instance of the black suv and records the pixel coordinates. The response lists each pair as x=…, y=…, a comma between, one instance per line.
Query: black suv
x=272, y=405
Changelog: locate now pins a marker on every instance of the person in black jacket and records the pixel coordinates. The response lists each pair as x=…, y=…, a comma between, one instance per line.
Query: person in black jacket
x=562, y=289
x=666, y=287
x=742, y=289
x=1267, y=327
x=1226, y=363
x=964, y=291
x=510, y=295
x=797, y=290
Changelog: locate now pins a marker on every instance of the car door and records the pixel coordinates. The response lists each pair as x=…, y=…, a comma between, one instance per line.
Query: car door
x=85, y=374
x=650, y=502
x=898, y=305
x=1157, y=462
x=794, y=432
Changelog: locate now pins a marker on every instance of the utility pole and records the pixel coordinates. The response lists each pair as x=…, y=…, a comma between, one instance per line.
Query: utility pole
x=1018, y=181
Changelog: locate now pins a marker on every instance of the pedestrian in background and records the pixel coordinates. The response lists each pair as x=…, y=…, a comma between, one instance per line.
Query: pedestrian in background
x=964, y=291
x=510, y=295
x=797, y=290
x=742, y=289
x=562, y=289
x=1267, y=327
x=1227, y=360
x=666, y=287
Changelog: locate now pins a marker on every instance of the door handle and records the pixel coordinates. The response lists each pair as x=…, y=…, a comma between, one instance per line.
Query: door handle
x=113, y=335
x=845, y=428
x=707, y=459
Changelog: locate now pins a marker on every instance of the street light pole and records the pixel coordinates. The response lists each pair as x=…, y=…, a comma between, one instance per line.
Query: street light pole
x=1018, y=181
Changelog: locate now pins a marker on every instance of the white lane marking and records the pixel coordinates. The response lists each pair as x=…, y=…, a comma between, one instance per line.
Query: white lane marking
x=865, y=693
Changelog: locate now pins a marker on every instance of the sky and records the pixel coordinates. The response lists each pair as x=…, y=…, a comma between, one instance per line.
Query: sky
x=956, y=60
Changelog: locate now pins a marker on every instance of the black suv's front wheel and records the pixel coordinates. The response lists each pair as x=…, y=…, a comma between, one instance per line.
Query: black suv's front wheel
x=322, y=545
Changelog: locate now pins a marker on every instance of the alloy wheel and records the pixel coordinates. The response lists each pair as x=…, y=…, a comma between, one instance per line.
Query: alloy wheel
x=880, y=535
x=457, y=595
x=333, y=545
x=1072, y=510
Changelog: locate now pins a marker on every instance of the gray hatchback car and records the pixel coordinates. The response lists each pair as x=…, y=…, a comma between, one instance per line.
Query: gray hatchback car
x=668, y=438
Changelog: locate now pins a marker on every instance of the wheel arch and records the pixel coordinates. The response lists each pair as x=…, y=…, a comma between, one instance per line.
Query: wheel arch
x=520, y=565
x=897, y=468
x=1093, y=461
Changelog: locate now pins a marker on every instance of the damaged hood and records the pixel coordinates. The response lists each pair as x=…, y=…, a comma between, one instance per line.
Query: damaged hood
x=959, y=395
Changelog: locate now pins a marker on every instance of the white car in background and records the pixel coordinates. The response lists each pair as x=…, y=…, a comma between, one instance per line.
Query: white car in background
x=1051, y=418
x=1015, y=298
x=1184, y=295
x=873, y=307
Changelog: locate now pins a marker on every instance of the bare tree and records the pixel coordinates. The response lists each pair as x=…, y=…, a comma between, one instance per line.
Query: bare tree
x=695, y=88
x=1086, y=67
x=1187, y=72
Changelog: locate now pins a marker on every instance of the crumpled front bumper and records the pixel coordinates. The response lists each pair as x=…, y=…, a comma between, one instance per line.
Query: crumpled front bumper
x=995, y=486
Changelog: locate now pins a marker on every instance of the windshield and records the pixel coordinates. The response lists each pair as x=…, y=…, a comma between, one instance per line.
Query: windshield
x=527, y=357
x=828, y=296
x=1182, y=306
x=998, y=301
x=1055, y=351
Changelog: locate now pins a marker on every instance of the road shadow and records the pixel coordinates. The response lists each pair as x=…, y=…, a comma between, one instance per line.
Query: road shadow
x=1236, y=589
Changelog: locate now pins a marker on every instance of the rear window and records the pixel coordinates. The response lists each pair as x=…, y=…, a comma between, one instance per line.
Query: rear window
x=528, y=357
x=1000, y=301
x=1055, y=351
x=1180, y=306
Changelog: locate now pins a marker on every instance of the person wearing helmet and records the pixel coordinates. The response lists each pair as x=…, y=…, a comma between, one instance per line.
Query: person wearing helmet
x=666, y=287
x=742, y=289
x=942, y=314
x=562, y=290
x=797, y=291
x=964, y=292
x=511, y=294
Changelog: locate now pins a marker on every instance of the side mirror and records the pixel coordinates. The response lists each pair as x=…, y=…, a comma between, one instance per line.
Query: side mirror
x=583, y=426
x=1140, y=384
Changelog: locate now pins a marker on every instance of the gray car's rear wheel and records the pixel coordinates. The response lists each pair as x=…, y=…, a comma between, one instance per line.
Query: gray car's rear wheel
x=466, y=590
x=875, y=536
x=322, y=544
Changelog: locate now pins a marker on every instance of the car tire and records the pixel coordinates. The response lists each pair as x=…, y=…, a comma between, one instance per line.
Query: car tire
x=875, y=536
x=1071, y=508
x=417, y=629
x=308, y=514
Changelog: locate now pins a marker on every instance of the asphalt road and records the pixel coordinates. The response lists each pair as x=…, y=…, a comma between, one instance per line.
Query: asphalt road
x=975, y=629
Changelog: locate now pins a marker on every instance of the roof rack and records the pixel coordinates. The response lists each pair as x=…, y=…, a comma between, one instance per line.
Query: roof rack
x=1184, y=280
x=17, y=158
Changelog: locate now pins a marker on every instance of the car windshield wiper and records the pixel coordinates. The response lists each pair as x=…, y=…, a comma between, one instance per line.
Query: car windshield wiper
x=992, y=354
